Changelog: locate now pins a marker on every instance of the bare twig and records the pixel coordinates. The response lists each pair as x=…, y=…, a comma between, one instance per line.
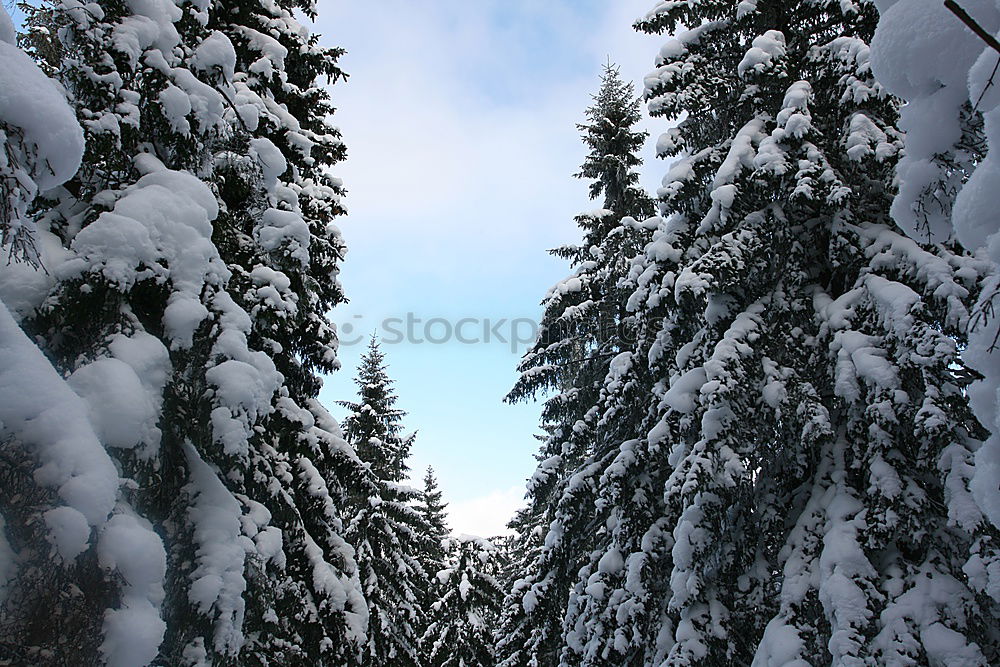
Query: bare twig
x=988, y=84
x=964, y=17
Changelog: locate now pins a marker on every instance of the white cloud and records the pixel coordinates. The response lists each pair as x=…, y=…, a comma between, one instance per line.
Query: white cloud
x=460, y=117
x=486, y=516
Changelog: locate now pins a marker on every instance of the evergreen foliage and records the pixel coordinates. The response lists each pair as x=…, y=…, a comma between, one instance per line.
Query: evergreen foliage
x=947, y=175
x=198, y=264
x=795, y=485
x=811, y=403
x=57, y=484
x=463, y=617
x=433, y=510
x=389, y=534
x=583, y=330
x=759, y=447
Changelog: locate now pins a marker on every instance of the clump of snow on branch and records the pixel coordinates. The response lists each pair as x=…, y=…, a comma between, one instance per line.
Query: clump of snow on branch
x=949, y=175
x=41, y=144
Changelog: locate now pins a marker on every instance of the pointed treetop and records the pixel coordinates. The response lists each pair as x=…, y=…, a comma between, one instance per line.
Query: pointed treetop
x=614, y=145
x=432, y=507
x=374, y=425
x=372, y=366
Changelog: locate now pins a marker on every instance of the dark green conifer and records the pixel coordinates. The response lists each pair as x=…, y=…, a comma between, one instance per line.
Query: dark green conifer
x=584, y=329
x=389, y=534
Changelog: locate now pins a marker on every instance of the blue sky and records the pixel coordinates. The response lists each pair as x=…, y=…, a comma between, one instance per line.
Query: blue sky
x=459, y=119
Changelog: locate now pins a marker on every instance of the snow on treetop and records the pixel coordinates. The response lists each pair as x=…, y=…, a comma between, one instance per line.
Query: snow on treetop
x=476, y=541
x=665, y=7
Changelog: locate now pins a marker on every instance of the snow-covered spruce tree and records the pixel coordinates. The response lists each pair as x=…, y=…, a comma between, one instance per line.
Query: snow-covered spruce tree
x=464, y=615
x=279, y=96
x=950, y=172
x=191, y=252
x=78, y=570
x=584, y=327
x=277, y=235
x=811, y=444
x=387, y=531
x=432, y=508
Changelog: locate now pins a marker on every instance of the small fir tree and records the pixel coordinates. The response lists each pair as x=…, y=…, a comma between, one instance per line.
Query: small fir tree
x=433, y=510
x=388, y=533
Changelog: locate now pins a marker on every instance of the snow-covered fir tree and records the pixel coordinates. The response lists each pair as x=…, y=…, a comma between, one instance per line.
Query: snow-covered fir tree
x=431, y=505
x=584, y=322
x=949, y=172
x=466, y=608
x=189, y=267
x=388, y=532
x=280, y=241
x=60, y=586
x=432, y=508
x=799, y=491
x=583, y=328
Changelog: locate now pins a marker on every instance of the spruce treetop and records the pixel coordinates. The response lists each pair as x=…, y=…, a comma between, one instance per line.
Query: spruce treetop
x=387, y=526
x=583, y=312
x=375, y=424
x=432, y=506
x=612, y=160
x=584, y=329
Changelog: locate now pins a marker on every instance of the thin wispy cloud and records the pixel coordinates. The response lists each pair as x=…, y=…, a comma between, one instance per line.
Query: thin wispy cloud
x=487, y=515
